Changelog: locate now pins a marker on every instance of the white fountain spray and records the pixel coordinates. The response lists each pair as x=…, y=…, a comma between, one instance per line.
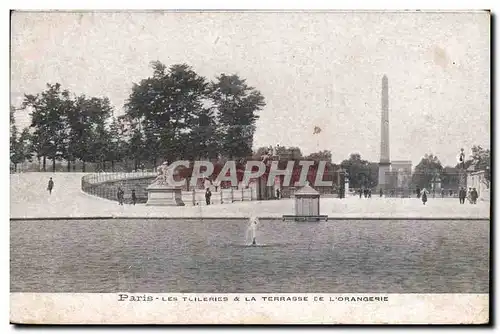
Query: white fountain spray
x=252, y=229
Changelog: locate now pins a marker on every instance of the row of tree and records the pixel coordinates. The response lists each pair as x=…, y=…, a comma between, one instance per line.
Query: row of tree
x=173, y=114
x=363, y=173
x=430, y=169
x=177, y=114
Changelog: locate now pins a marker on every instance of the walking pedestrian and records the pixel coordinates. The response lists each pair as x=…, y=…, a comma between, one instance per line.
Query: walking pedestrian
x=50, y=186
x=208, y=194
x=381, y=192
x=418, y=192
x=461, y=195
x=120, y=194
x=277, y=194
x=134, y=197
x=474, y=196
x=424, y=196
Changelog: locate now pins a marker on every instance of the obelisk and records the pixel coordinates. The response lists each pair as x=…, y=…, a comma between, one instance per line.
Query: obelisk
x=385, y=160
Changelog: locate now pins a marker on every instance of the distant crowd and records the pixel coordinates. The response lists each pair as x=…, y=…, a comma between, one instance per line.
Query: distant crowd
x=470, y=195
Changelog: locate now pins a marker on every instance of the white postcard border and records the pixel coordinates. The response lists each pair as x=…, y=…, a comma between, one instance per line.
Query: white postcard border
x=376, y=308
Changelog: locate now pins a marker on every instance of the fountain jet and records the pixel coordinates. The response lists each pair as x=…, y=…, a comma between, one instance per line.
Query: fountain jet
x=252, y=229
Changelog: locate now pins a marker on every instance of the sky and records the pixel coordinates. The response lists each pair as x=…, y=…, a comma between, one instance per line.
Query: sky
x=315, y=69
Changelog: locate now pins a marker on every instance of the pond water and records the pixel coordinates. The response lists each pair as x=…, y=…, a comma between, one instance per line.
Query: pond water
x=215, y=256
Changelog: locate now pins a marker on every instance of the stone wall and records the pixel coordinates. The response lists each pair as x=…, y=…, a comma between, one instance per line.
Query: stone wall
x=478, y=180
x=108, y=190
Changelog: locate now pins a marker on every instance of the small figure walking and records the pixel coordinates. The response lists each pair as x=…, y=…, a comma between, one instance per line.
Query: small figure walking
x=424, y=196
x=50, y=186
x=461, y=195
x=120, y=195
x=474, y=195
x=277, y=194
x=442, y=193
x=134, y=197
x=208, y=194
x=418, y=192
x=254, y=242
x=381, y=192
x=469, y=195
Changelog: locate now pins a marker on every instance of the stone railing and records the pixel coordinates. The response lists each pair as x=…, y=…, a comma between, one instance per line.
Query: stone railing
x=105, y=185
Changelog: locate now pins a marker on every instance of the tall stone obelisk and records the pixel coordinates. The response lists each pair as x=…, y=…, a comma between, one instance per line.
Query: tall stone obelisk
x=385, y=160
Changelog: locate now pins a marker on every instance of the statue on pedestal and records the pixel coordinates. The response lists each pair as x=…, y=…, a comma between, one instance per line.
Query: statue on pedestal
x=165, y=174
x=162, y=191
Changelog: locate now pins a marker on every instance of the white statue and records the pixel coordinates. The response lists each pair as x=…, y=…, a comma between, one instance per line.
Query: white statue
x=165, y=174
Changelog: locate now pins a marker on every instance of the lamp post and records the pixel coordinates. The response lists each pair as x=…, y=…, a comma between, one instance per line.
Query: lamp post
x=435, y=181
x=461, y=169
x=342, y=174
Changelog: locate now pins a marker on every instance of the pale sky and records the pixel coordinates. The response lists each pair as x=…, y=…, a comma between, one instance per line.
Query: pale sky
x=314, y=69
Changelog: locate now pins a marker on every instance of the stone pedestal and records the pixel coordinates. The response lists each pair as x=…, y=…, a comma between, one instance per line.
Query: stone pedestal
x=164, y=196
x=383, y=169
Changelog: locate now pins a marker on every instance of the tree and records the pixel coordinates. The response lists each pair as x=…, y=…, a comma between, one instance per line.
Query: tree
x=450, y=177
x=480, y=159
x=361, y=173
x=203, y=135
x=89, y=139
x=13, y=139
x=169, y=106
x=48, y=118
x=11, y=114
x=428, y=169
x=20, y=145
x=99, y=146
x=116, y=144
x=135, y=148
x=320, y=156
x=236, y=104
x=289, y=153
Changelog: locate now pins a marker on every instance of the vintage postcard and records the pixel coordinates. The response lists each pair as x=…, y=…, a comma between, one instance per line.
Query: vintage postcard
x=250, y=167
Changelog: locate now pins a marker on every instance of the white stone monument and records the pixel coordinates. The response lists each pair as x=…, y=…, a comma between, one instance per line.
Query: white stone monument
x=161, y=192
x=385, y=160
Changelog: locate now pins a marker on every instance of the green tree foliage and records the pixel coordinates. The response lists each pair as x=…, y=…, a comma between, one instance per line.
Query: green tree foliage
x=135, y=149
x=49, y=111
x=175, y=113
x=320, y=156
x=237, y=105
x=289, y=153
x=68, y=127
x=428, y=170
x=169, y=106
x=480, y=159
x=20, y=144
x=116, y=150
x=450, y=178
x=361, y=172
